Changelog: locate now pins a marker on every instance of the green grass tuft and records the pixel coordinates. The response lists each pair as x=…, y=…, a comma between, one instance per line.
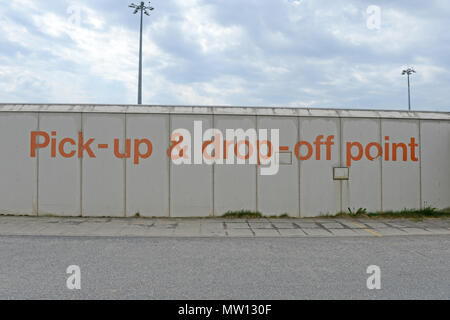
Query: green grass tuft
x=242, y=214
x=427, y=212
x=247, y=214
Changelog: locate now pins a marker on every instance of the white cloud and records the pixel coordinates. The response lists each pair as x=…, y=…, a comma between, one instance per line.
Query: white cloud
x=304, y=53
x=198, y=27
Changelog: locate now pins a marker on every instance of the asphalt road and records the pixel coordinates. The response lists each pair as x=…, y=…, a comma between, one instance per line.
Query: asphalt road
x=413, y=267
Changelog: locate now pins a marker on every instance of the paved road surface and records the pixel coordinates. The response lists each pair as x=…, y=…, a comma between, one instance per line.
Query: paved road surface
x=412, y=267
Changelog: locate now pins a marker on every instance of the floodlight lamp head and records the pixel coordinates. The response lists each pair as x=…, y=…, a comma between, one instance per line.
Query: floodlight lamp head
x=408, y=71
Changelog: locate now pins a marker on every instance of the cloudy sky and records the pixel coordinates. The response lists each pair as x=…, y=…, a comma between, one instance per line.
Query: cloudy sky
x=295, y=53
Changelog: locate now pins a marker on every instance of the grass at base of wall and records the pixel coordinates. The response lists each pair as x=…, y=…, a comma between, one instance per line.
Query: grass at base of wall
x=243, y=214
x=247, y=214
x=427, y=212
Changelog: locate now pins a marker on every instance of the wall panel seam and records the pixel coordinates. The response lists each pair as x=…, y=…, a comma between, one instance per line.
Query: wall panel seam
x=170, y=165
x=420, y=165
x=37, y=166
x=125, y=168
x=381, y=168
x=299, y=170
x=81, y=167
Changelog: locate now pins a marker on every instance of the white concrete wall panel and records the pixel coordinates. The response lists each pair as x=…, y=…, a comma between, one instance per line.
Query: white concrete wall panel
x=363, y=189
x=435, y=150
x=103, y=178
x=147, y=186
x=111, y=186
x=279, y=193
x=401, y=179
x=191, y=189
x=234, y=185
x=18, y=171
x=60, y=177
x=319, y=193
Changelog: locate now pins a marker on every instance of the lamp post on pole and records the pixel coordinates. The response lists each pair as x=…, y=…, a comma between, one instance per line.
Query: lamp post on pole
x=143, y=10
x=408, y=72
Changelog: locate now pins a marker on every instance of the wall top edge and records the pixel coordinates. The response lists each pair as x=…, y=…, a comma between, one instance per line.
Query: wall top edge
x=225, y=110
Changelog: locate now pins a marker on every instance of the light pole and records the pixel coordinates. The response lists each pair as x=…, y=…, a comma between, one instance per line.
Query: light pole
x=143, y=10
x=408, y=72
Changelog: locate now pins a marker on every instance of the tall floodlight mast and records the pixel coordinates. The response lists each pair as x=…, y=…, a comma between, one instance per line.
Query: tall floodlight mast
x=408, y=72
x=144, y=10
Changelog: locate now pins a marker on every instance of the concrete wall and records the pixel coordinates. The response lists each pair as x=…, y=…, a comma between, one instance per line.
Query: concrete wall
x=191, y=186
x=364, y=189
x=111, y=186
x=319, y=193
